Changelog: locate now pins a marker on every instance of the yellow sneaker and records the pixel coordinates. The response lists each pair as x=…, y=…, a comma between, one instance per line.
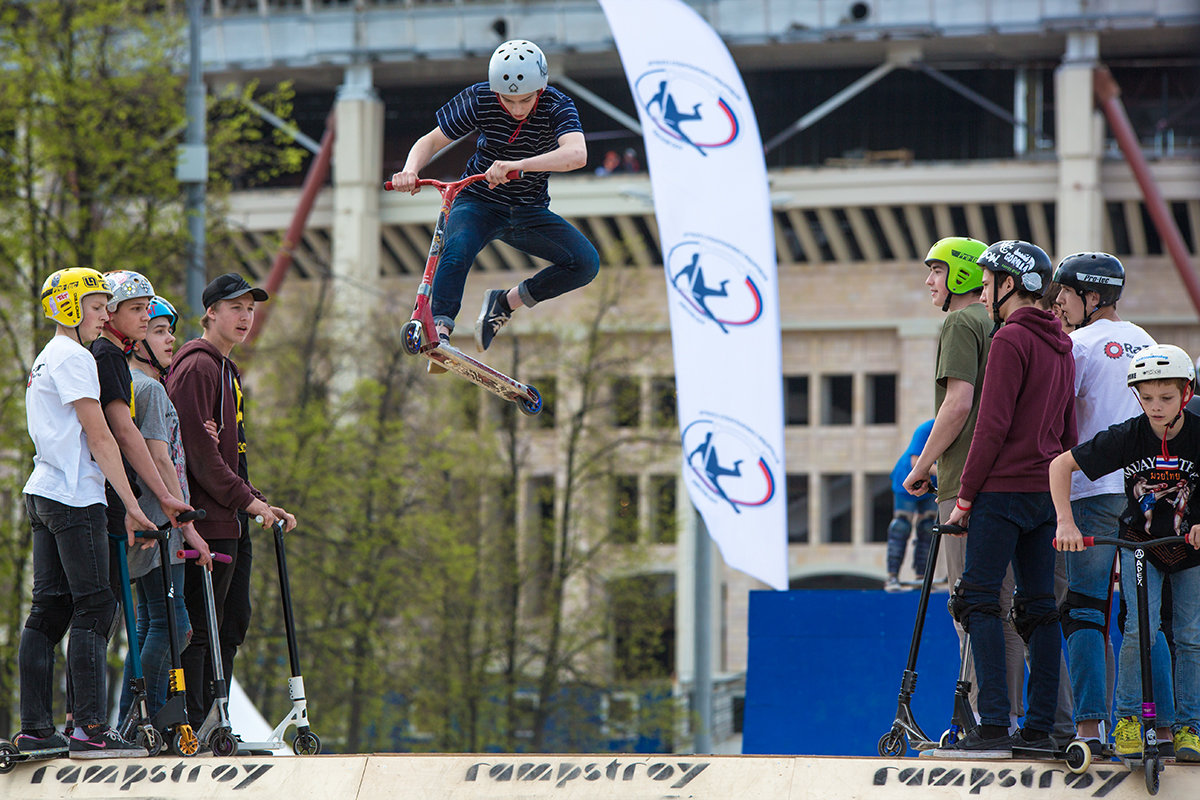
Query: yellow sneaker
x=1127, y=737
x=1187, y=744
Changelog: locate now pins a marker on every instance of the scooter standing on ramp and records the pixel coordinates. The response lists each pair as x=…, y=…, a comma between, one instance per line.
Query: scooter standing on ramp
x=905, y=731
x=306, y=742
x=215, y=731
x=419, y=336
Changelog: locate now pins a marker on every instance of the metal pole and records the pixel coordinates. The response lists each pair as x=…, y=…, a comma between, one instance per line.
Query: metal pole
x=702, y=676
x=600, y=103
x=193, y=168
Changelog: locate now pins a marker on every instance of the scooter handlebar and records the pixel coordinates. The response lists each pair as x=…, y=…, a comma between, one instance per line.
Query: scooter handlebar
x=1128, y=544
x=279, y=523
x=948, y=529
x=190, y=554
x=512, y=176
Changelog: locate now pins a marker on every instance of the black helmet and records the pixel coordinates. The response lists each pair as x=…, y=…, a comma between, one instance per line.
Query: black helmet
x=1093, y=272
x=1026, y=262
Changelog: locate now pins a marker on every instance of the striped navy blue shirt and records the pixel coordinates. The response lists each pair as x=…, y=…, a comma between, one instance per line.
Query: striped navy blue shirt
x=477, y=108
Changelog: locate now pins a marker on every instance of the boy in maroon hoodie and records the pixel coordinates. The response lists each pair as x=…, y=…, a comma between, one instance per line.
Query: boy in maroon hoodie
x=204, y=384
x=1026, y=418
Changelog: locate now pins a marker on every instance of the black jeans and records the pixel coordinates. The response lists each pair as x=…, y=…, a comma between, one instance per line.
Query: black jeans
x=70, y=591
x=231, y=595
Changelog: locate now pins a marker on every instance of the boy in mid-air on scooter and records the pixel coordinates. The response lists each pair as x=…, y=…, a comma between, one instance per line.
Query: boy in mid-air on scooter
x=522, y=125
x=1157, y=452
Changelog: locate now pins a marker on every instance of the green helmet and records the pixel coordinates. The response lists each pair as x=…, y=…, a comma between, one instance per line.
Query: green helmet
x=958, y=253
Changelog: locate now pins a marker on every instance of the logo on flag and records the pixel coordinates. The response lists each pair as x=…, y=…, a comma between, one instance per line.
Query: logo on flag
x=690, y=108
x=729, y=462
x=716, y=282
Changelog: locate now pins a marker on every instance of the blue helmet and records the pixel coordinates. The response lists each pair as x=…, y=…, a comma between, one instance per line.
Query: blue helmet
x=161, y=307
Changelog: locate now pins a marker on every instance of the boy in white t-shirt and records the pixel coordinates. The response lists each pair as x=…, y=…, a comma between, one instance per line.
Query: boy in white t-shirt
x=1103, y=345
x=74, y=454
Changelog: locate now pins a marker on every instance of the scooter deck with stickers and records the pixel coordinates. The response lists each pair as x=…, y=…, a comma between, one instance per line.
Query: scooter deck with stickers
x=10, y=756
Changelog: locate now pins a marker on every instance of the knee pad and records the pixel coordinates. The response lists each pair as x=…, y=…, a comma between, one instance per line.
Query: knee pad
x=899, y=528
x=1026, y=618
x=51, y=616
x=925, y=526
x=961, y=609
x=1076, y=601
x=96, y=613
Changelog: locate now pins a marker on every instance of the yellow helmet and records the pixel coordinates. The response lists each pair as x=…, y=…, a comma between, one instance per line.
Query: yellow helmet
x=63, y=292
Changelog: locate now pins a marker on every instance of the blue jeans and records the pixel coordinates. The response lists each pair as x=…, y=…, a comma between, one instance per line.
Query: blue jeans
x=1180, y=703
x=532, y=229
x=70, y=591
x=909, y=511
x=1012, y=527
x=153, y=644
x=1089, y=573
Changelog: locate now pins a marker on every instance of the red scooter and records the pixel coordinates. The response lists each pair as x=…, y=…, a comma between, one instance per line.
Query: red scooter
x=419, y=336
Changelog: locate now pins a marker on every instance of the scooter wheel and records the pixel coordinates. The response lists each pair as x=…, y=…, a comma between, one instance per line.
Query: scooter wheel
x=8, y=757
x=184, y=741
x=150, y=739
x=1152, y=767
x=1079, y=757
x=306, y=744
x=892, y=744
x=223, y=744
x=944, y=739
x=410, y=337
x=531, y=406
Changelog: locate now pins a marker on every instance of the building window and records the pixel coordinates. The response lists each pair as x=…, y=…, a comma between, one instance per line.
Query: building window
x=620, y=711
x=879, y=491
x=627, y=402
x=837, y=399
x=664, y=523
x=797, y=508
x=540, y=505
x=795, y=399
x=837, y=500
x=665, y=403
x=881, y=399
x=625, y=510
x=643, y=626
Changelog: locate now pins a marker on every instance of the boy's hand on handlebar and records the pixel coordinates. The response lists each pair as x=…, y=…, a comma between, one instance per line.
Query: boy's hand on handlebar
x=917, y=483
x=289, y=521
x=261, y=513
x=195, y=541
x=1068, y=539
x=498, y=173
x=172, y=507
x=136, y=520
x=959, y=516
x=405, y=181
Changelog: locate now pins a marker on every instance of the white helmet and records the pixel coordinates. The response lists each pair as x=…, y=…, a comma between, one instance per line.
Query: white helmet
x=517, y=67
x=1160, y=362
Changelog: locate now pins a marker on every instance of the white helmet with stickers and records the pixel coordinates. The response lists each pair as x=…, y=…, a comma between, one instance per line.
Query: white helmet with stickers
x=1161, y=362
x=517, y=67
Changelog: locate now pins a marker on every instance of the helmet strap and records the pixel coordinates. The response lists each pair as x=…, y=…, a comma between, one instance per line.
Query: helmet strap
x=152, y=361
x=126, y=343
x=996, y=303
x=521, y=123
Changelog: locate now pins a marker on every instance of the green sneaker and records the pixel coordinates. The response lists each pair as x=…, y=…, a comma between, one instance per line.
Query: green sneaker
x=1127, y=737
x=1187, y=744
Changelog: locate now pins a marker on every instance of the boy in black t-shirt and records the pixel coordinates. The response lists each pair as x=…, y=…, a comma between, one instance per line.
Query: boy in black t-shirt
x=1158, y=454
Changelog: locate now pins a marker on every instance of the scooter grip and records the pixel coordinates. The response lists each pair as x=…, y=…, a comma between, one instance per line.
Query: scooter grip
x=189, y=554
x=515, y=174
x=387, y=187
x=1088, y=541
x=192, y=516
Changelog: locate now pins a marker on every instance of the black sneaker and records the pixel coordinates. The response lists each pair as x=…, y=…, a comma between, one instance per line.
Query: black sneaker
x=493, y=316
x=973, y=745
x=41, y=744
x=105, y=743
x=1032, y=740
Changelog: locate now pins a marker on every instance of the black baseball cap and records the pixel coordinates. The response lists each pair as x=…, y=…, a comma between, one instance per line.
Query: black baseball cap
x=229, y=286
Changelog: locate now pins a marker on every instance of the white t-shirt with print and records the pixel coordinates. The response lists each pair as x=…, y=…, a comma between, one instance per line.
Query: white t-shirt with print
x=63, y=469
x=1102, y=351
